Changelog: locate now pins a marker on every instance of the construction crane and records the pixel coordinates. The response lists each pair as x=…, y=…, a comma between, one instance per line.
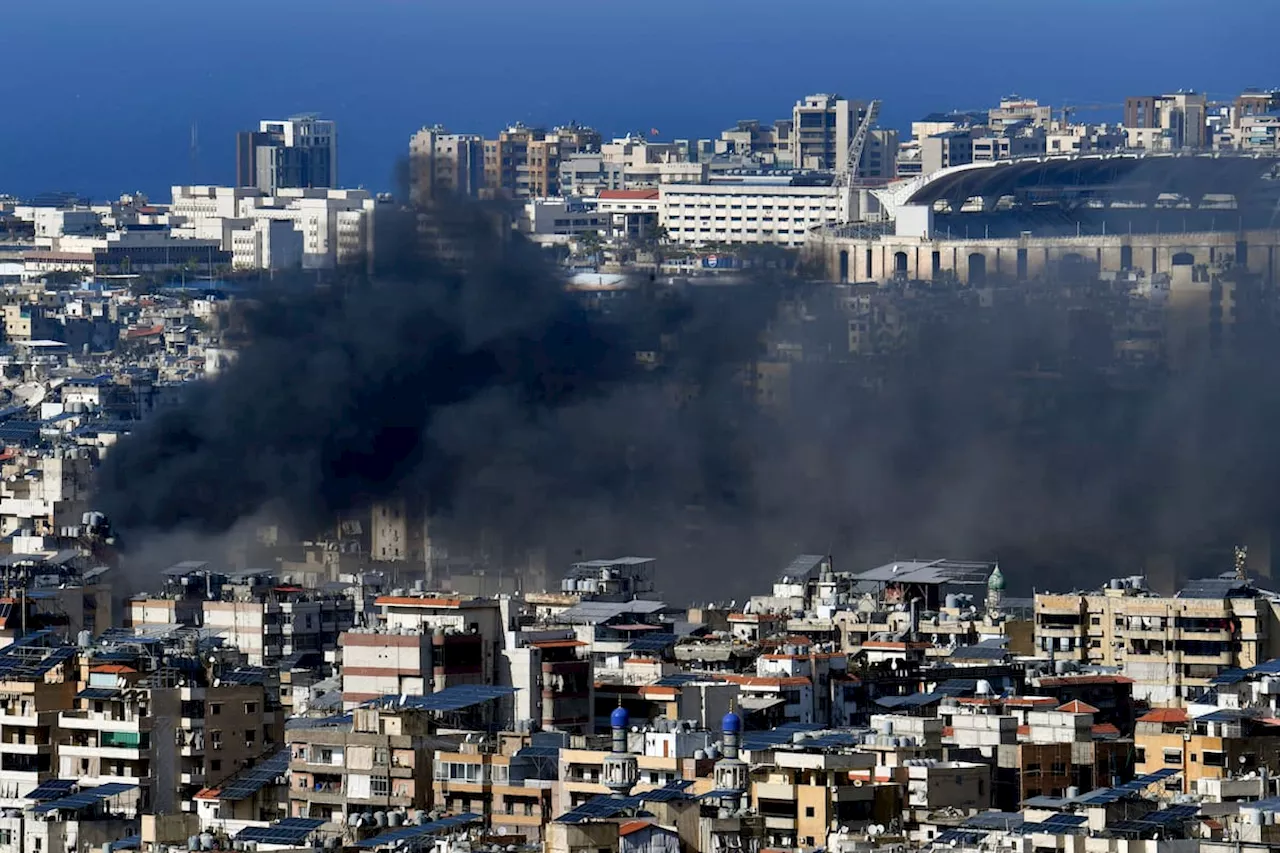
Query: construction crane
x=1067, y=109
x=854, y=155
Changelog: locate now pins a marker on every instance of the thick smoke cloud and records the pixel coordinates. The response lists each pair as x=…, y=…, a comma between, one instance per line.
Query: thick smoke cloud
x=494, y=400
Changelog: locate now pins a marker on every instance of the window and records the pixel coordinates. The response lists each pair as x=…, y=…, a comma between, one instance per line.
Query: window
x=215, y=739
x=250, y=737
x=215, y=707
x=380, y=756
x=1213, y=758
x=379, y=786
x=808, y=811
x=1173, y=756
x=1058, y=768
x=251, y=707
x=215, y=764
x=1140, y=755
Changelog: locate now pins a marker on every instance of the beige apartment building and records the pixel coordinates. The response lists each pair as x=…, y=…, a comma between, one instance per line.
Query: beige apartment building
x=1170, y=646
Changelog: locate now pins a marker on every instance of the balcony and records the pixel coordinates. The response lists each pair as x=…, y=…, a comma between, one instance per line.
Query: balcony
x=89, y=721
x=67, y=750
x=1218, y=659
x=1147, y=634
x=1060, y=630
x=774, y=791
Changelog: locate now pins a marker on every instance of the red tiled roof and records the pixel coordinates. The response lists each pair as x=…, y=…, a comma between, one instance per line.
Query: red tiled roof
x=113, y=668
x=1164, y=715
x=1105, y=730
x=144, y=332
x=1029, y=701
x=764, y=681
x=633, y=826
x=635, y=195
x=1067, y=680
x=885, y=644
x=557, y=644
x=1077, y=707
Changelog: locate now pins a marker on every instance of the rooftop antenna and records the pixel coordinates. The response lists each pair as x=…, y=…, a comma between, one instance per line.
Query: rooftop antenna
x=195, y=151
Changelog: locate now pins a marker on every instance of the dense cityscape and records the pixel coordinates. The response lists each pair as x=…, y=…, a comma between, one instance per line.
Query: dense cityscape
x=973, y=551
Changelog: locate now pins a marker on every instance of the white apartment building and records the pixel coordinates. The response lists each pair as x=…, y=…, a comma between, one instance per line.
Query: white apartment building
x=333, y=223
x=269, y=630
x=46, y=494
x=1258, y=133
x=758, y=212
x=29, y=706
x=118, y=735
x=208, y=202
x=266, y=244
x=545, y=219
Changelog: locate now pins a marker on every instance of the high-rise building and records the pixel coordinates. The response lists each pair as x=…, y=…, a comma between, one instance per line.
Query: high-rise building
x=443, y=163
x=1181, y=117
x=823, y=126
x=298, y=153
x=1253, y=102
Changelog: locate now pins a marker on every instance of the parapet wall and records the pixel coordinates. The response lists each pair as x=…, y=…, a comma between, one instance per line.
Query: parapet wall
x=972, y=260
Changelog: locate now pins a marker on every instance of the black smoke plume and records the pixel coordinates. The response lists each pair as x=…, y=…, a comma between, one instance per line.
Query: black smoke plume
x=477, y=388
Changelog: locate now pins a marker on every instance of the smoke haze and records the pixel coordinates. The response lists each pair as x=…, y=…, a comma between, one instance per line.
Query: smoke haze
x=494, y=399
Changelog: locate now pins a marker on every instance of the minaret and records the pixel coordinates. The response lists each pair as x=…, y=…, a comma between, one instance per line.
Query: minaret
x=621, y=772
x=730, y=771
x=995, y=591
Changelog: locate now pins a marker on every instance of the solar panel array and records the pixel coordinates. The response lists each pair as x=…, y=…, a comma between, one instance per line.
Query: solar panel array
x=776, y=737
x=1214, y=588
x=405, y=833
x=679, y=679
x=670, y=792
x=1155, y=821
x=959, y=837
x=1171, y=815
x=20, y=661
x=655, y=642
x=98, y=693
x=295, y=723
x=450, y=699
x=1229, y=676
x=85, y=798
x=957, y=687
x=600, y=807
x=721, y=794
x=244, y=675
x=52, y=789
x=915, y=700
x=1105, y=796
x=994, y=820
x=1057, y=824
x=290, y=831
x=249, y=782
x=133, y=842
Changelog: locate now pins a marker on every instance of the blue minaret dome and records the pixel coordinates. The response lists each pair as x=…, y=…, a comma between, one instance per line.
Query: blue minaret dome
x=619, y=719
x=731, y=723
